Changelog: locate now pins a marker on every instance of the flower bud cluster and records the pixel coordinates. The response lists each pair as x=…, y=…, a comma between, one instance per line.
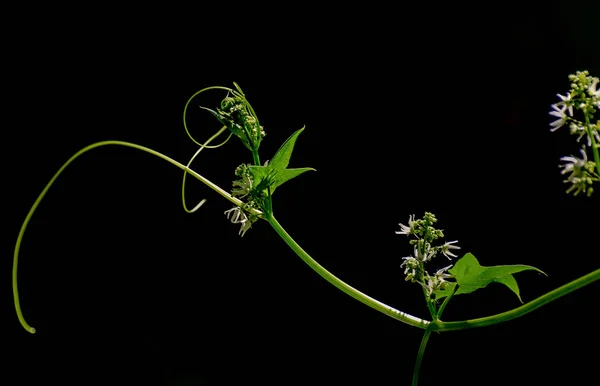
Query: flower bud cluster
x=423, y=235
x=236, y=113
x=583, y=97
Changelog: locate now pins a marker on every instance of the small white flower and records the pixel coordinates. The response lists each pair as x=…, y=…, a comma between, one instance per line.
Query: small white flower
x=574, y=164
x=437, y=281
x=430, y=286
x=560, y=114
x=245, y=226
x=239, y=217
x=447, y=247
x=441, y=276
x=242, y=187
x=409, y=261
x=592, y=89
x=424, y=257
x=429, y=283
x=410, y=264
x=440, y=273
x=406, y=230
x=582, y=131
x=566, y=101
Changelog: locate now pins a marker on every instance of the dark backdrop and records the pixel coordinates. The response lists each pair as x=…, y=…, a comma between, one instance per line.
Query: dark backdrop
x=407, y=109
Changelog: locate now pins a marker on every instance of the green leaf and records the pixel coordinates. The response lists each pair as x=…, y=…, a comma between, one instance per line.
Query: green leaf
x=471, y=276
x=277, y=167
x=281, y=159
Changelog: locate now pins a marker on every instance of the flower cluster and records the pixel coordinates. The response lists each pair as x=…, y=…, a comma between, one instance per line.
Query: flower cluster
x=245, y=188
x=584, y=96
x=582, y=174
x=424, y=234
x=245, y=185
x=237, y=115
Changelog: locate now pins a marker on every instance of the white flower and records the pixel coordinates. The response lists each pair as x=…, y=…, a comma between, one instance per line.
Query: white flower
x=447, y=247
x=430, y=286
x=566, y=101
x=592, y=89
x=410, y=264
x=574, y=164
x=560, y=114
x=424, y=257
x=441, y=275
x=581, y=131
x=242, y=187
x=239, y=217
x=406, y=230
x=245, y=226
x=595, y=93
x=437, y=281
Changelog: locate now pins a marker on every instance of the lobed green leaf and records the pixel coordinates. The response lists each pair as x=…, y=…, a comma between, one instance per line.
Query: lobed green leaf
x=277, y=167
x=471, y=276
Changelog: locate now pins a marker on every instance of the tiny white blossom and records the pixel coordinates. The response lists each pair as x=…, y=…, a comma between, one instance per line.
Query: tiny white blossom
x=236, y=213
x=441, y=275
x=437, y=281
x=239, y=217
x=424, y=257
x=430, y=285
x=560, y=114
x=242, y=187
x=405, y=230
x=447, y=247
x=592, y=89
x=581, y=131
x=565, y=101
x=245, y=226
x=410, y=264
x=573, y=164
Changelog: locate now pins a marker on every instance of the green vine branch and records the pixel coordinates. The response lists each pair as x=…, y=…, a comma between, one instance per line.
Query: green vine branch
x=37, y=202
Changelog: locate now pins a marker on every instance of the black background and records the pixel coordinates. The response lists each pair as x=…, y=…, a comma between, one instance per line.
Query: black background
x=407, y=109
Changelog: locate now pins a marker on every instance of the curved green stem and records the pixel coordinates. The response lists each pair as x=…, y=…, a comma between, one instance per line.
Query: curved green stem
x=43, y=193
x=417, y=370
x=436, y=325
x=356, y=294
x=205, y=145
x=188, y=103
x=519, y=311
